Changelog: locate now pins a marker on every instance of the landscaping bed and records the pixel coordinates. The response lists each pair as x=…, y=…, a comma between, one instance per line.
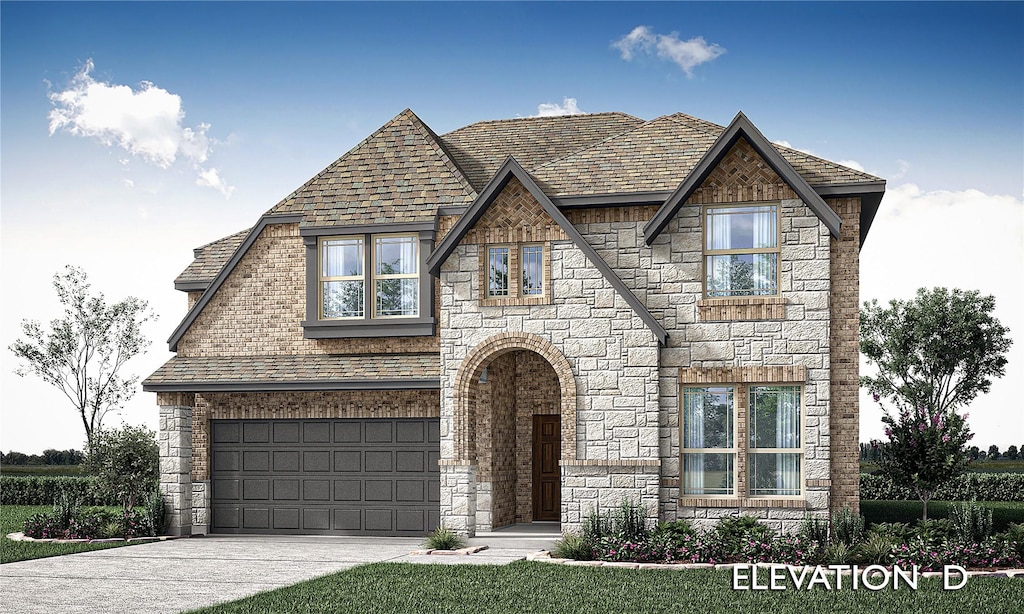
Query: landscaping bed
x=12, y=519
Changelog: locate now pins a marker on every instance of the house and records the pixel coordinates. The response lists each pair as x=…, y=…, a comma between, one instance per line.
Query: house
x=521, y=321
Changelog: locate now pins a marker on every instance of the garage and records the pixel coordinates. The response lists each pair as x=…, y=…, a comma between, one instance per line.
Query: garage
x=325, y=477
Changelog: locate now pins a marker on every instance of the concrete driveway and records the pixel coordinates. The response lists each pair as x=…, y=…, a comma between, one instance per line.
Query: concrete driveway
x=182, y=574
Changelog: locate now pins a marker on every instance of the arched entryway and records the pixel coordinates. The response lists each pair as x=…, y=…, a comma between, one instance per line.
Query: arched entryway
x=514, y=419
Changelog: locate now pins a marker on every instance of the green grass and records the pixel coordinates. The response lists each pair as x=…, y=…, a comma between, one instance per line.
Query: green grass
x=56, y=470
x=542, y=587
x=1003, y=512
x=11, y=519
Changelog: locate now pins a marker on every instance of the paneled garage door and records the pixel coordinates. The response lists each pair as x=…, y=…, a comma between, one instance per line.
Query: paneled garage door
x=343, y=477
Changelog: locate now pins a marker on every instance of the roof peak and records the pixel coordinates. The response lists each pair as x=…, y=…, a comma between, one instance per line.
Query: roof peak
x=544, y=118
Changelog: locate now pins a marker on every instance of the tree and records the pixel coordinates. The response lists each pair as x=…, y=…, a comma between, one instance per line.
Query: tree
x=1011, y=453
x=82, y=353
x=973, y=452
x=925, y=450
x=938, y=350
x=993, y=452
x=126, y=463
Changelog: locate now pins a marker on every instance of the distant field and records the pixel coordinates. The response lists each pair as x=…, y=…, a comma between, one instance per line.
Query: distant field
x=997, y=466
x=42, y=470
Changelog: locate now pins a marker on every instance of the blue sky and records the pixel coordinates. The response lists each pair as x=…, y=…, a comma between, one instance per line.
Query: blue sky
x=928, y=96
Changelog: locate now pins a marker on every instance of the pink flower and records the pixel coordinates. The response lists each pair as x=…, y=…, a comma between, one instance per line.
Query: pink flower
x=970, y=436
x=945, y=439
x=935, y=419
x=922, y=426
x=888, y=432
x=875, y=397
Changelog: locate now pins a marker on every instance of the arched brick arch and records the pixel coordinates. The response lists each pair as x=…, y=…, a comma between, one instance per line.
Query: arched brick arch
x=473, y=365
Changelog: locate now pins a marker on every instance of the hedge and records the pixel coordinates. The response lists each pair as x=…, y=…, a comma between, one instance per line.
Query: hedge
x=980, y=486
x=43, y=490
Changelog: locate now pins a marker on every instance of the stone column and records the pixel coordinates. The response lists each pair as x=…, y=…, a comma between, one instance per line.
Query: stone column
x=175, y=441
x=458, y=498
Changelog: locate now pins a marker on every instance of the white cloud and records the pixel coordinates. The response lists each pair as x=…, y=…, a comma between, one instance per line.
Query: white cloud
x=955, y=239
x=147, y=122
x=788, y=145
x=128, y=183
x=549, y=109
x=901, y=171
x=857, y=166
x=211, y=178
x=687, y=54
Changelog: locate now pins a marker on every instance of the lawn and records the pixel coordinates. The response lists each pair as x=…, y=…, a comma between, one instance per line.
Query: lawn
x=1003, y=512
x=543, y=587
x=11, y=519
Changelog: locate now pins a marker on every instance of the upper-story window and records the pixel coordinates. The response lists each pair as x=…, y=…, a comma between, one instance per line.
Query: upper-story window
x=514, y=274
x=395, y=279
x=741, y=250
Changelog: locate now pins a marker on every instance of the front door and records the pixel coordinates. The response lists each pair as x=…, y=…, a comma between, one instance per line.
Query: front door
x=547, y=483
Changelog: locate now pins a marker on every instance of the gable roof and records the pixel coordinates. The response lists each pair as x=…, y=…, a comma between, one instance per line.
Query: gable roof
x=480, y=148
x=399, y=174
x=741, y=127
x=209, y=260
x=512, y=168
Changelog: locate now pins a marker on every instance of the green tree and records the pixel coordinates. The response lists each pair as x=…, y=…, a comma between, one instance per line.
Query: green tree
x=126, y=463
x=938, y=350
x=925, y=449
x=1011, y=453
x=83, y=352
x=993, y=452
x=973, y=452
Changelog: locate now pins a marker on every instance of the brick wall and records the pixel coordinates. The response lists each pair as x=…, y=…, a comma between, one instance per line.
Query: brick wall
x=844, y=346
x=260, y=307
x=300, y=405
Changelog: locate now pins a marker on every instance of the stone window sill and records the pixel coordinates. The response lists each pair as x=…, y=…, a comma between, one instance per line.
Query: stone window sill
x=792, y=502
x=506, y=301
x=741, y=308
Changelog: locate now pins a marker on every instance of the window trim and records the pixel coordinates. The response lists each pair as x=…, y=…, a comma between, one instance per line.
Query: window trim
x=705, y=252
x=742, y=422
x=544, y=276
x=509, y=287
x=422, y=325
x=515, y=282
x=321, y=279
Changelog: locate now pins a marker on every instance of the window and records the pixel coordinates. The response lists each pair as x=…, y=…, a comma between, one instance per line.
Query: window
x=514, y=274
x=396, y=276
x=533, y=270
x=775, y=452
x=341, y=278
x=741, y=250
x=770, y=455
x=708, y=448
x=497, y=271
x=395, y=283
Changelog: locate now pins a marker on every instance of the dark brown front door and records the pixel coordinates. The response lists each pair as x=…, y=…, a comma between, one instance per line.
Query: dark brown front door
x=547, y=481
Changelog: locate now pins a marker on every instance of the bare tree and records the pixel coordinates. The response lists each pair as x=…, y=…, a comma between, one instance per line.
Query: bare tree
x=82, y=352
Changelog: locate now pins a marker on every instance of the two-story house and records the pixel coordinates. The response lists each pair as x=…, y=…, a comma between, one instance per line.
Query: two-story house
x=525, y=320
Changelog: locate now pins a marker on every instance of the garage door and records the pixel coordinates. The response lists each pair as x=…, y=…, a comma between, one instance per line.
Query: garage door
x=342, y=477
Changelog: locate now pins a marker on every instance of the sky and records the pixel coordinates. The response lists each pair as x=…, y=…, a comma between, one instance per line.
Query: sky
x=131, y=133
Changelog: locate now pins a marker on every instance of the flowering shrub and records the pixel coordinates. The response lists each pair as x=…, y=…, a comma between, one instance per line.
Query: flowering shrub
x=89, y=523
x=991, y=553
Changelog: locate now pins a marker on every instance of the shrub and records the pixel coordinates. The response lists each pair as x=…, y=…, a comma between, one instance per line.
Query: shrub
x=44, y=490
x=814, y=528
x=443, y=538
x=1013, y=538
x=876, y=549
x=897, y=532
x=847, y=527
x=735, y=531
x=154, y=502
x=971, y=522
x=673, y=533
x=135, y=522
x=573, y=546
x=978, y=486
x=629, y=522
x=934, y=533
x=838, y=553
x=595, y=526
x=126, y=463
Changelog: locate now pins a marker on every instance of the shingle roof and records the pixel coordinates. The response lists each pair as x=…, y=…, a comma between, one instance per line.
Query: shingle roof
x=209, y=260
x=399, y=174
x=268, y=372
x=657, y=156
x=481, y=148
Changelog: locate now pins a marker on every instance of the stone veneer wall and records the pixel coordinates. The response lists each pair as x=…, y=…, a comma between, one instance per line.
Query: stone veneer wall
x=667, y=277
x=612, y=354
